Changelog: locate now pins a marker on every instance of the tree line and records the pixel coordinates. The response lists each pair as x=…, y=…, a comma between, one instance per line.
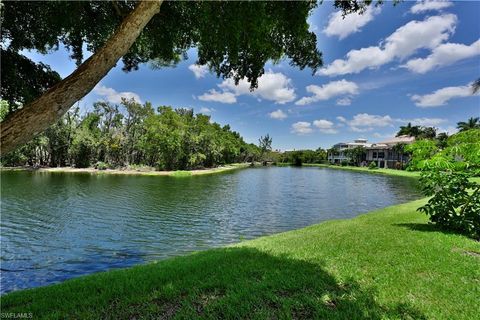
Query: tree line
x=131, y=134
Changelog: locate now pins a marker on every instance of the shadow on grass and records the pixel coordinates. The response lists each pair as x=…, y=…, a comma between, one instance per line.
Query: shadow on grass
x=429, y=227
x=231, y=283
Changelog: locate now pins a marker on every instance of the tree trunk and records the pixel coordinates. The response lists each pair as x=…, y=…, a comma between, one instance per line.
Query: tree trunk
x=21, y=126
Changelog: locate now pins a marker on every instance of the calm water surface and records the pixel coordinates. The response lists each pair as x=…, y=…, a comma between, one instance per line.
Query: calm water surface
x=56, y=226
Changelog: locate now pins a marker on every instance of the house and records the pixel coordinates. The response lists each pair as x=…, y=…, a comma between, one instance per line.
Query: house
x=337, y=153
x=386, y=154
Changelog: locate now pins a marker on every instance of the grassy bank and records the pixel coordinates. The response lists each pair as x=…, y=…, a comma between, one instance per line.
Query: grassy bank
x=388, y=264
x=143, y=172
x=393, y=172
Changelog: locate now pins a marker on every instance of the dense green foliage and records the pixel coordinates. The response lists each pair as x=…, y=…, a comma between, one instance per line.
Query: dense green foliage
x=420, y=151
x=23, y=80
x=385, y=265
x=460, y=151
x=300, y=157
x=234, y=38
x=355, y=155
x=134, y=134
x=455, y=200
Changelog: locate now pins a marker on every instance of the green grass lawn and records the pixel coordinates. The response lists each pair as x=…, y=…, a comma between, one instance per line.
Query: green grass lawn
x=392, y=172
x=388, y=264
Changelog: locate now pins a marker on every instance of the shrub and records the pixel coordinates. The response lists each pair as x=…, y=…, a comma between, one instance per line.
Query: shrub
x=455, y=201
x=101, y=165
x=372, y=165
x=297, y=160
x=344, y=163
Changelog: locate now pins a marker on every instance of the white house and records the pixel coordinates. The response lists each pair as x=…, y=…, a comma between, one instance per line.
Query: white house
x=385, y=155
x=337, y=155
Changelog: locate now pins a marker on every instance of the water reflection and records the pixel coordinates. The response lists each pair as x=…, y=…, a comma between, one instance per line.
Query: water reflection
x=56, y=226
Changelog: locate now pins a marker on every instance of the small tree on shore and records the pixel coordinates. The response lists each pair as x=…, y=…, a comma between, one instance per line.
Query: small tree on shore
x=446, y=178
x=265, y=144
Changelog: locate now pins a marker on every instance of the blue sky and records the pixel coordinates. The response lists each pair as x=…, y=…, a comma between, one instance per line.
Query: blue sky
x=394, y=64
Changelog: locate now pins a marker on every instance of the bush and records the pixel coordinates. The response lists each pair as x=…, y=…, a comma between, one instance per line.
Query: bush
x=344, y=163
x=372, y=165
x=101, y=165
x=297, y=160
x=455, y=202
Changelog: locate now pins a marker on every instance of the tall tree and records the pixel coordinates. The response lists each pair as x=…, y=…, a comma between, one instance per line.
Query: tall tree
x=476, y=86
x=417, y=131
x=409, y=130
x=472, y=123
x=265, y=144
x=235, y=39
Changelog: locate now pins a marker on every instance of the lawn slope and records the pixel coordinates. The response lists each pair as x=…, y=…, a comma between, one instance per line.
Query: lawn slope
x=388, y=264
x=390, y=172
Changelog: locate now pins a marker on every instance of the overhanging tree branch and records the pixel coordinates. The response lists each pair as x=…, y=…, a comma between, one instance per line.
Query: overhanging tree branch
x=38, y=115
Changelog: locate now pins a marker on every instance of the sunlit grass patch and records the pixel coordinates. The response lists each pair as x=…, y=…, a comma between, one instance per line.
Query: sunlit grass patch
x=180, y=174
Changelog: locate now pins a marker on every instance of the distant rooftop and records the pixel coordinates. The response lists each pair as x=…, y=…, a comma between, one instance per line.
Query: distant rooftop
x=384, y=144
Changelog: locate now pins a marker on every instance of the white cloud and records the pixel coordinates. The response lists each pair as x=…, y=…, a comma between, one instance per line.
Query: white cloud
x=440, y=97
x=344, y=101
x=329, y=90
x=425, y=122
x=365, y=119
x=198, y=70
x=278, y=115
x=352, y=23
x=325, y=126
x=302, y=128
x=402, y=43
x=363, y=122
x=217, y=96
x=444, y=54
x=206, y=110
x=271, y=86
x=385, y=135
x=428, y=5
x=449, y=130
x=112, y=96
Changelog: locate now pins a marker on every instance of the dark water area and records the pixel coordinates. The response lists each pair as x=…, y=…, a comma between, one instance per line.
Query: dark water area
x=56, y=226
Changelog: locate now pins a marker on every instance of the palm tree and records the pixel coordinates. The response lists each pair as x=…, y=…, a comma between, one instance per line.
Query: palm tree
x=476, y=86
x=409, y=130
x=427, y=133
x=472, y=123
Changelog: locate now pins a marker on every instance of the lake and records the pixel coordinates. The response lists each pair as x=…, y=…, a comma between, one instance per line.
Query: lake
x=55, y=226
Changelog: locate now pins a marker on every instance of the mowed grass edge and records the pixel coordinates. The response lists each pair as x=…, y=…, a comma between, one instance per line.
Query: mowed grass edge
x=387, y=264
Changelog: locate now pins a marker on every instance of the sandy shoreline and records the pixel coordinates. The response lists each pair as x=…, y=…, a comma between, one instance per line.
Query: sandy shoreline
x=178, y=173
